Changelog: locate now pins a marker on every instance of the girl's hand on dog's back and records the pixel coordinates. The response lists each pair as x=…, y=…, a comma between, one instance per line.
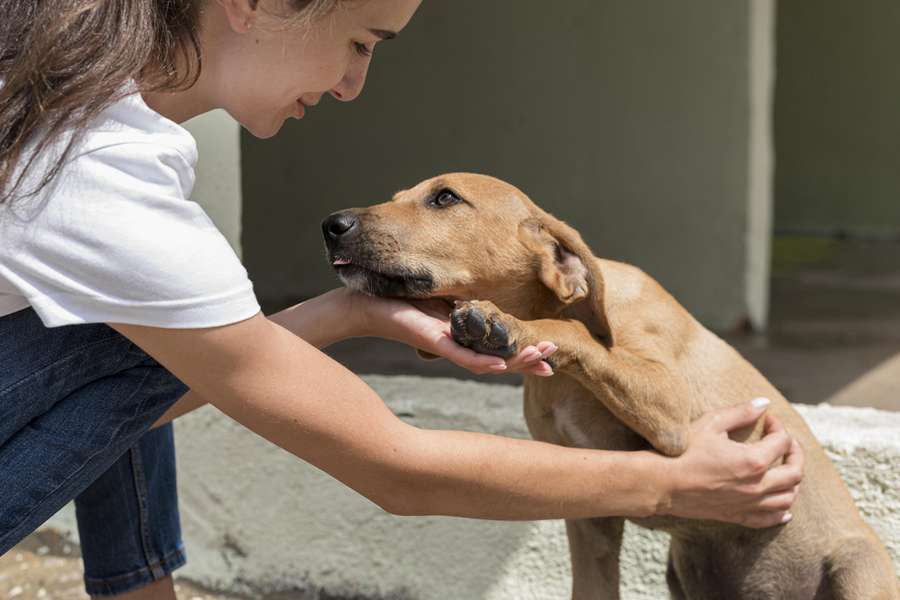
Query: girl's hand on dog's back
x=752, y=484
x=425, y=324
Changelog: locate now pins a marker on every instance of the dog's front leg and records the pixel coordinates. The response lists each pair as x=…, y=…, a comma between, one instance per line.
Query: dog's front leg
x=860, y=569
x=594, y=545
x=641, y=392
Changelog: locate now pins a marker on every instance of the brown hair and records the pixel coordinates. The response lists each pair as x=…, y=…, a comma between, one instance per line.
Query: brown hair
x=63, y=62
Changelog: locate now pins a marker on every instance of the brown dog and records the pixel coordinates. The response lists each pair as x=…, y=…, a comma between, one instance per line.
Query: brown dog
x=633, y=367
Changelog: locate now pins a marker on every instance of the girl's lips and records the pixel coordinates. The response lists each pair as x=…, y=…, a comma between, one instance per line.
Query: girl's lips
x=301, y=109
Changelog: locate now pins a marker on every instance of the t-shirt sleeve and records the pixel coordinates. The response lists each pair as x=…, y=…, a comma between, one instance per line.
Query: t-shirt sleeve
x=114, y=239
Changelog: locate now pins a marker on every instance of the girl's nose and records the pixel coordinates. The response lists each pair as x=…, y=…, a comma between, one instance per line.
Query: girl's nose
x=350, y=87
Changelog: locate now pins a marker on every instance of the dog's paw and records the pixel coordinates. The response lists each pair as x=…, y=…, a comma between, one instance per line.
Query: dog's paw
x=481, y=326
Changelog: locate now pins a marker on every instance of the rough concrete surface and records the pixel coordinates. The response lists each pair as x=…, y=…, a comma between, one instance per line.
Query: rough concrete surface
x=47, y=566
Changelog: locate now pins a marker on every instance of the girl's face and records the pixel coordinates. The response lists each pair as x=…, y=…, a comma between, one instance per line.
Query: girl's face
x=266, y=68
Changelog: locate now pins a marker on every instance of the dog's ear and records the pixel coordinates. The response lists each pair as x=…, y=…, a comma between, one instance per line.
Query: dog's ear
x=566, y=265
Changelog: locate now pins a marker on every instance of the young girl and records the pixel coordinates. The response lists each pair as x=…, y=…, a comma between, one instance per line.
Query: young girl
x=117, y=294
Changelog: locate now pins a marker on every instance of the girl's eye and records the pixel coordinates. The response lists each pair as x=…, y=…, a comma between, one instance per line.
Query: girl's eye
x=362, y=49
x=444, y=198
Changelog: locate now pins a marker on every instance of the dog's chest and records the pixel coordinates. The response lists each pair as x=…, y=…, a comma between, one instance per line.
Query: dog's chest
x=561, y=411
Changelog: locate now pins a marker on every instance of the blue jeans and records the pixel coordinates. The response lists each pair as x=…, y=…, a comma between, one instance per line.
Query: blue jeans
x=76, y=404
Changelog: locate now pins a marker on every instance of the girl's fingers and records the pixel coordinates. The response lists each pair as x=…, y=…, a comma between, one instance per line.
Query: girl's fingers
x=779, y=502
x=765, y=452
x=787, y=475
x=538, y=366
x=529, y=355
x=546, y=347
x=467, y=358
x=529, y=360
x=729, y=418
x=542, y=369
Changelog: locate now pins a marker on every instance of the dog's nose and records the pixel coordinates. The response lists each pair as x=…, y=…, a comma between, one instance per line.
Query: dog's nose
x=339, y=224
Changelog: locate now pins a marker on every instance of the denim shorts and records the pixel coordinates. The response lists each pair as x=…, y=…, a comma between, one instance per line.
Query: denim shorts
x=76, y=406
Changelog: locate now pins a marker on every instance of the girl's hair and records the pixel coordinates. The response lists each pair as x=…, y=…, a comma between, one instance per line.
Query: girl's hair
x=63, y=62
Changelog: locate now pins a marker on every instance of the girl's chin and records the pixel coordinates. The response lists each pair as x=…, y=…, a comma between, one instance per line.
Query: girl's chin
x=264, y=131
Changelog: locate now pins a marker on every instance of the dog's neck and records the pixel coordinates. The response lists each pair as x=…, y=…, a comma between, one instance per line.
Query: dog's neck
x=524, y=298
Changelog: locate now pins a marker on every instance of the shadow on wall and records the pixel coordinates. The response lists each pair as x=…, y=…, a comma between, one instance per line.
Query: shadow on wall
x=627, y=119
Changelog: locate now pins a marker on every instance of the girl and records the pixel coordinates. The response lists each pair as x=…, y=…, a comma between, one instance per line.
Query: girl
x=117, y=295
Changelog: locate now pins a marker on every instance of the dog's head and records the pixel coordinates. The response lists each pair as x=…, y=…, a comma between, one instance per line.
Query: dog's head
x=467, y=236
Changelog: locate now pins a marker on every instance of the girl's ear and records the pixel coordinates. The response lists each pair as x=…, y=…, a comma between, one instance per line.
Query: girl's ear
x=568, y=268
x=241, y=14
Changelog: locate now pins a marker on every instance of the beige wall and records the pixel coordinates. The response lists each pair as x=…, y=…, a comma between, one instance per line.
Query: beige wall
x=631, y=119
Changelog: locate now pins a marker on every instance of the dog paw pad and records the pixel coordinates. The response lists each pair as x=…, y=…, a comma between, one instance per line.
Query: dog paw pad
x=484, y=332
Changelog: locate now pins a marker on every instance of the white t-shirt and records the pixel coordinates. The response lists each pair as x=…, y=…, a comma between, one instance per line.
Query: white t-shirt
x=114, y=238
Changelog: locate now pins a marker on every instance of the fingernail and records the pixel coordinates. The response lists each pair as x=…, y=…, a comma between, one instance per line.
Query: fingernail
x=549, y=351
x=787, y=517
x=761, y=402
x=499, y=367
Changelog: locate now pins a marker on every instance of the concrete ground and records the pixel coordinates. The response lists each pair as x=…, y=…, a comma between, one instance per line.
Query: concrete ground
x=834, y=334
x=47, y=566
x=835, y=323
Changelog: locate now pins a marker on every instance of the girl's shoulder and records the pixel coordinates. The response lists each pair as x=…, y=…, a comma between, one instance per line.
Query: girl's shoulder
x=130, y=121
x=127, y=136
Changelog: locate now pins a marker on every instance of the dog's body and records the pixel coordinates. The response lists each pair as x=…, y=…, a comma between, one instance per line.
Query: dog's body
x=827, y=551
x=633, y=370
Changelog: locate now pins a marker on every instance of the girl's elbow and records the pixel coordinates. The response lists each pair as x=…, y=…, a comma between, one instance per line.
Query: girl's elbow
x=404, y=500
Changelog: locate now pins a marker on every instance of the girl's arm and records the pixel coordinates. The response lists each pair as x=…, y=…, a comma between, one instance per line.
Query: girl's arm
x=341, y=314
x=283, y=388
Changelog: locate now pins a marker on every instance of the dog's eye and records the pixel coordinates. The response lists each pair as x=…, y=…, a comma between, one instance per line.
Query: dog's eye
x=443, y=199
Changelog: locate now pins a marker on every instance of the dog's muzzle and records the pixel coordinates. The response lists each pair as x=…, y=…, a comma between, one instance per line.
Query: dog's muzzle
x=338, y=227
x=361, y=264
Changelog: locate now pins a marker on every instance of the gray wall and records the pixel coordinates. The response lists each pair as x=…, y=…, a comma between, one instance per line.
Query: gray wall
x=837, y=116
x=218, y=185
x=628, y=118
